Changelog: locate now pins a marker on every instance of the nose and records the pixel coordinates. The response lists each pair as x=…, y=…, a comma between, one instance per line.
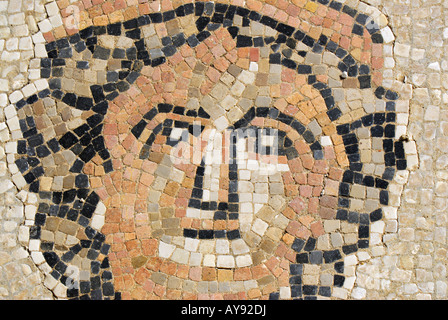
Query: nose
x=219, y=219
x=249, y=151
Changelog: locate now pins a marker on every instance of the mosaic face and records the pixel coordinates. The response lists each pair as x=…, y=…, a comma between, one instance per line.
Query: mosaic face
x=210, y=149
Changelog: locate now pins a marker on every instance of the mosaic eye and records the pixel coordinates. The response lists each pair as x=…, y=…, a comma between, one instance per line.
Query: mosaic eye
x=211, y=139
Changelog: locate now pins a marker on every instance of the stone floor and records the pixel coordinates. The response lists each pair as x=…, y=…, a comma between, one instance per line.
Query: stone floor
x=188, y=150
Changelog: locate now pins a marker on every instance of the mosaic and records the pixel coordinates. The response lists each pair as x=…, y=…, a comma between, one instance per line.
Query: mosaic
x=210, y=151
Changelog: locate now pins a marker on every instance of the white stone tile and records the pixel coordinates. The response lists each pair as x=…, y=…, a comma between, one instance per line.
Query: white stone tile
x=24, y=234
x=237, y=89
x=244, y=261
x=193, y=213
x=259, y=227
x=402, y=50
x=56, y=21
x=52, y=8
x=30, y=212
x=29, y=90
x=239, y=246
x=253, y=66
x=285, y=293
x=50, y=282
x=228, y=102
x=37, y=257
x=225, y=261
x=195, y=259
x=387, y=34
x=25, y=43
x=246, y=77
x=359, y=293
x=165, y=250
x=45, y=26
x=222, y=246
x=60, y=291
x=180, y=256
x=16, y=18
x=191, y=244
x=209, y=260
x=340, y=293
x=34, y=245
x=98, y=222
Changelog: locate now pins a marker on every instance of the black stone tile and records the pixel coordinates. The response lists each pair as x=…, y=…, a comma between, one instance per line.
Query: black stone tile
x=363, y=231
x=274, y=296
x=401, y=164
x=348, y=249
x=352, y=149
x=377, y=38
x=68, y=140
x=230, y=13
x=389, y=159
x=364, y=81
x=244, y=41
x=217, y=18
x=317, y=48
x=296, y=269
x=70, y=99
x=114, y=29
x=156, y=17
x=77, y=166
x=376, y=215
x=298, y=244
x=381, y=184
x=81, y=181
x=65, y=53
x=304, y=69
x=324, y=291
x=51, y=258
x=168, y=15
x=309, y=290
x=84, y=286
x=138, y=128
x=336, y=5
x=332, y=256
x=35, y=232
x=379, y=118
x=206, y=234
x=108, y=289
x=389, y=131
x=133, y=34
x=232, y=235
x=295, y=280
x=368, y=181
x=268, y=21
x=302, y=258
x=384, y=197
x=87, y=154
x=42, y=151
x=353, y=217
x=358, y=29
x=69, y=196
x=388, y=145
x=108, y=167
x=338, y=280
x=285, y=29
x=241, y=11
x=83, y=103
x=316, y=257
